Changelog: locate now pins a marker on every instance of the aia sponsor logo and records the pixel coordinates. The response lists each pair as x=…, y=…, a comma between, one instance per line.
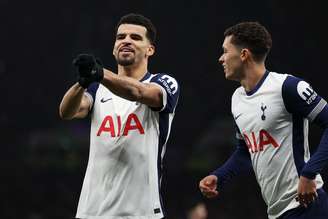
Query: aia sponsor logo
x=108, y=127
x=257, y=141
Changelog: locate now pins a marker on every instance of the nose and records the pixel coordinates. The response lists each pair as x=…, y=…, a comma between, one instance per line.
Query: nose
x=221, y=60
x=127, y=40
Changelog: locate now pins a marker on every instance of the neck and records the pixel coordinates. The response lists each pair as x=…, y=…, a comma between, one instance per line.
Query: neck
x=134, y=71
x=252, y=75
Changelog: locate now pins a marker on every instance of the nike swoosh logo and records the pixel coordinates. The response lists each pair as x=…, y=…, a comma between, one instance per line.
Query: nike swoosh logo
x=238, y=116
x=105, y=100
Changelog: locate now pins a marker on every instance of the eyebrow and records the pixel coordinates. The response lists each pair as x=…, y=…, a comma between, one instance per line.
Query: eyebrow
x=132, y=35
x=120, y=34
x=136, y=35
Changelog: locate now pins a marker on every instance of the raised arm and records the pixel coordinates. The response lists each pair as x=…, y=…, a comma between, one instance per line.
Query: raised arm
x=91, y=70
x=134, y=90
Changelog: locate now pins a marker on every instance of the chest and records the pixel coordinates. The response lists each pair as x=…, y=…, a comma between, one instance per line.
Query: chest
x=114, y=116
x=262, y=119
x=107, y=103
x=260, y=111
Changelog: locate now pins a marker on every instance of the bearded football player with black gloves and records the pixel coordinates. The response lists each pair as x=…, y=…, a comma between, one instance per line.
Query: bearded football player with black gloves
x=131, y=116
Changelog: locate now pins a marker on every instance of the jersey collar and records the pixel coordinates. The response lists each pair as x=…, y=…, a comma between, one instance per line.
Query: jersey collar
x=145, y=77
x=259, y=84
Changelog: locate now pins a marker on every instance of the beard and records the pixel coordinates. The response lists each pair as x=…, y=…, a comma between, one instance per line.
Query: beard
x=125, y=61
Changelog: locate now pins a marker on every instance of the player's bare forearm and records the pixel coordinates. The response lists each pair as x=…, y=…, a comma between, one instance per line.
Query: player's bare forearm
x=71, y=105
x=132, y=89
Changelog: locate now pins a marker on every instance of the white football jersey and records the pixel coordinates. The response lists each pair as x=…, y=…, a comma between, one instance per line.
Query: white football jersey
x=273, y=120
x=127, y=145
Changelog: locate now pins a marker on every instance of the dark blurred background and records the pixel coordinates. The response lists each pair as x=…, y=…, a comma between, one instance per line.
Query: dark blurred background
x=43, y=159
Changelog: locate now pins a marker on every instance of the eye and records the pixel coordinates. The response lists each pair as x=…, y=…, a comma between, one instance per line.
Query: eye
x=136, y=37
x=120, y=36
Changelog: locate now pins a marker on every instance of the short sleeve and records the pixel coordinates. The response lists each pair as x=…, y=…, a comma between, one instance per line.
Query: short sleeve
x=170, y=89
x=301, y=99
x=91, y=93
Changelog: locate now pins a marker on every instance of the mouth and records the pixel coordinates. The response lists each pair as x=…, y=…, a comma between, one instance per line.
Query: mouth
x=126, y=50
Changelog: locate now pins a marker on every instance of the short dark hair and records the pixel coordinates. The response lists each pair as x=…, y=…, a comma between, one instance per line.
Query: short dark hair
x=253, y=36
x=141, y=20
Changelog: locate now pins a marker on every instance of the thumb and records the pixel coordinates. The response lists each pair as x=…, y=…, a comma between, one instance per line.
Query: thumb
x=209, y=181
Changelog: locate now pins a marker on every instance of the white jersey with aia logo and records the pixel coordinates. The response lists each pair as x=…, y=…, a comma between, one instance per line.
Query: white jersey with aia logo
x=273, y=121
x=127, y=145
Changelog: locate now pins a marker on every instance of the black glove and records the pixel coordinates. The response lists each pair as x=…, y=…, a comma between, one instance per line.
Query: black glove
x=89, y=69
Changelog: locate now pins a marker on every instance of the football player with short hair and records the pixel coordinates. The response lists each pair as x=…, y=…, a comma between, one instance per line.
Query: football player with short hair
x=131, y=116
x=271, y=113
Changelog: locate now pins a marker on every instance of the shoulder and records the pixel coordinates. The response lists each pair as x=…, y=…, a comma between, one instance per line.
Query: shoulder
x=299, y=96
x=296, y=85
x=278, y=75
x=166, y=81
x=162, y=76
x=278, y=78
x=292, y=79
x=239, y=91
